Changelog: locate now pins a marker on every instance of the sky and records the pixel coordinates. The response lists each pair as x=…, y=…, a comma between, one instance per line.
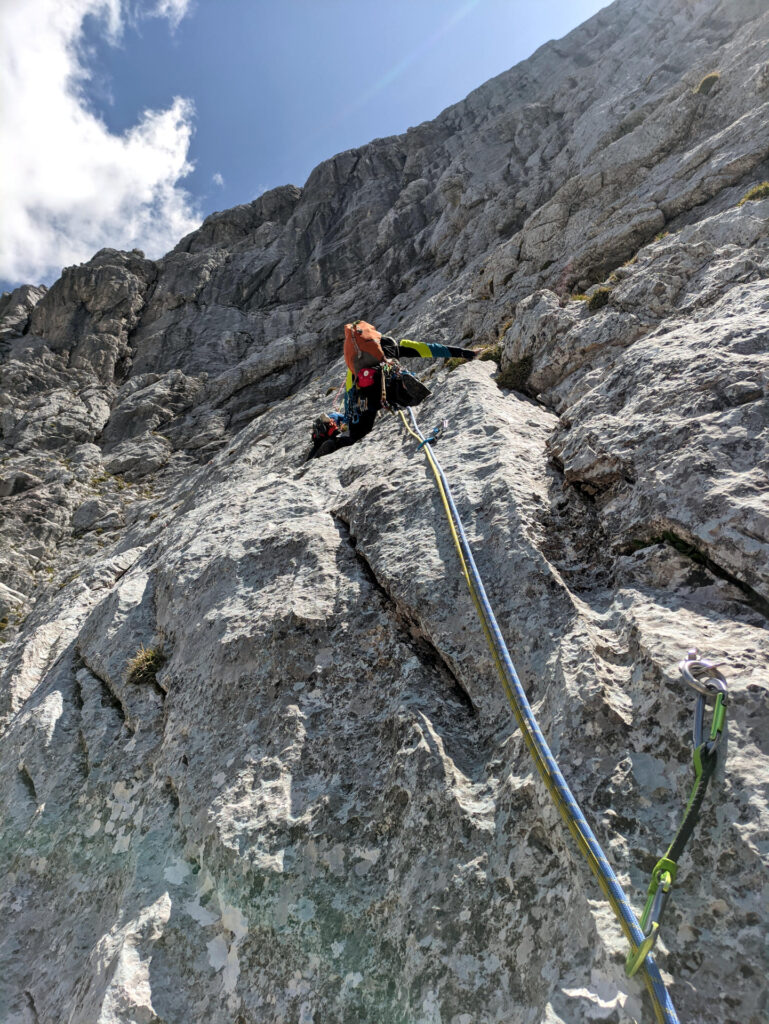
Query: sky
x=124, y=123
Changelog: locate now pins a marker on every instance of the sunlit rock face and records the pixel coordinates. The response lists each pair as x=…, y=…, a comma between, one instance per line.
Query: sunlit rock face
x=256, y=766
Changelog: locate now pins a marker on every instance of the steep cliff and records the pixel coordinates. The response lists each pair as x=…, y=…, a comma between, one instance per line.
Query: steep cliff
x=312, y=804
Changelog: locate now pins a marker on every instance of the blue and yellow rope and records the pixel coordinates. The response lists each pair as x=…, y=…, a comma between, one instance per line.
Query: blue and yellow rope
x=537, y=745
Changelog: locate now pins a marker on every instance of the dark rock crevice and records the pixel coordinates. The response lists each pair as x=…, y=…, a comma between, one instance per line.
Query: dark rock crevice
x=671, y=539
x=423, y=646
x=31, y=1005
x=29, y=783
x=111, y=694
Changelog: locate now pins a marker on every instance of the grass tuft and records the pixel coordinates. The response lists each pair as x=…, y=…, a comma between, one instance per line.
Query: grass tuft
x=453, y=362
x=515, y=374
x=707, y=83
x=493, y=353
x=145, y=665
x=757, y=192
x=598, y=299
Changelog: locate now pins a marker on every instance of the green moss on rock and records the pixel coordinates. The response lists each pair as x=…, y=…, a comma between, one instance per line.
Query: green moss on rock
x=707, y=83
x=493, y=353
x=598, y=299
x=146, y=663
x=454, y=362
x=515, y=374
x=760, y=191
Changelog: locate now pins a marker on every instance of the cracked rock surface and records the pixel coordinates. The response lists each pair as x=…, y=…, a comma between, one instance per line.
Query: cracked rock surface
x=316, y=807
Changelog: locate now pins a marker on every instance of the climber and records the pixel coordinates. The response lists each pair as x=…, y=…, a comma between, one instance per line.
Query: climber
x=374, y=378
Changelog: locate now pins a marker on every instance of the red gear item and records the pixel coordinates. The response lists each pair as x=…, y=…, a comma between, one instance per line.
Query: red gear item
x=362, y=346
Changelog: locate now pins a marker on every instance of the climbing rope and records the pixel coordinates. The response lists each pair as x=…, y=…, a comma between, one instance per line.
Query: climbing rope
x=537, y=745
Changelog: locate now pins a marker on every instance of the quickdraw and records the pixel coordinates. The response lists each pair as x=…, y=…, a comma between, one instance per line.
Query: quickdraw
x=704, y=677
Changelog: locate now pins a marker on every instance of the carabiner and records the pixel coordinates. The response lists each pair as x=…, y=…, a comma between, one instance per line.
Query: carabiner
x=663, y=876
x=704, y=677
x=701, y=674
x=434, y=435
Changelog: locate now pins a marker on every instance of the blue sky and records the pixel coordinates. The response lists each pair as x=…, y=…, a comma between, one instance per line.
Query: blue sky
x=172, y=109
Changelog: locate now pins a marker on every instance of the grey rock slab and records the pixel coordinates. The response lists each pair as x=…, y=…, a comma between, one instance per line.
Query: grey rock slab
x=704, y=351
x=115, y=632
x=16, y=481
x=15, y=308
x=60, y=417
x=138, y=457
x=322, y=809
x=10, y=601
x=51, y=628
x=700, y=458
x=92, y=308
x=146, y=402
x=96, y=514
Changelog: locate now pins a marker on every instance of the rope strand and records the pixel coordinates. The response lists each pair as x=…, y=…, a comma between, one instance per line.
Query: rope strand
x=537, y=745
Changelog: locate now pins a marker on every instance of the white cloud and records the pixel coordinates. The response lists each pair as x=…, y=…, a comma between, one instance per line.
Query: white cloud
x=174, y=10
x=68, y=185
x=217, y=179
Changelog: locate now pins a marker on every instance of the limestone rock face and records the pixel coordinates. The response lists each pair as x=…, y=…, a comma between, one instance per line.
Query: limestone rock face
x=256, y=765
x=15, y=308
x=90, y=311
x=668, y=383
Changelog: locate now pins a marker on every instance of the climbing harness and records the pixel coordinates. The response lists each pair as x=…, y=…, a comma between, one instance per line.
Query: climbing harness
x=704, y=677
x=399, y=387
x=537, y=745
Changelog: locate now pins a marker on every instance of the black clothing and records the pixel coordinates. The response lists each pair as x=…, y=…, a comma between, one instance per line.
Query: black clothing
x=402, y=390
x=333, y=444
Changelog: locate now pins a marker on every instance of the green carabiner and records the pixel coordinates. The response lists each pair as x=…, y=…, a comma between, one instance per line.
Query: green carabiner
x=663, y=876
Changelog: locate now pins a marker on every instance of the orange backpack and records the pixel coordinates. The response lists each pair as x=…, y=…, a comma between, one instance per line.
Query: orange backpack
x=362, y=346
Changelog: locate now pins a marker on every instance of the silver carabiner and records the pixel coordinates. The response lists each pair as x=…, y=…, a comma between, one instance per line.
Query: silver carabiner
x=435, y=435
x=704, y=677
x=440, y=430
